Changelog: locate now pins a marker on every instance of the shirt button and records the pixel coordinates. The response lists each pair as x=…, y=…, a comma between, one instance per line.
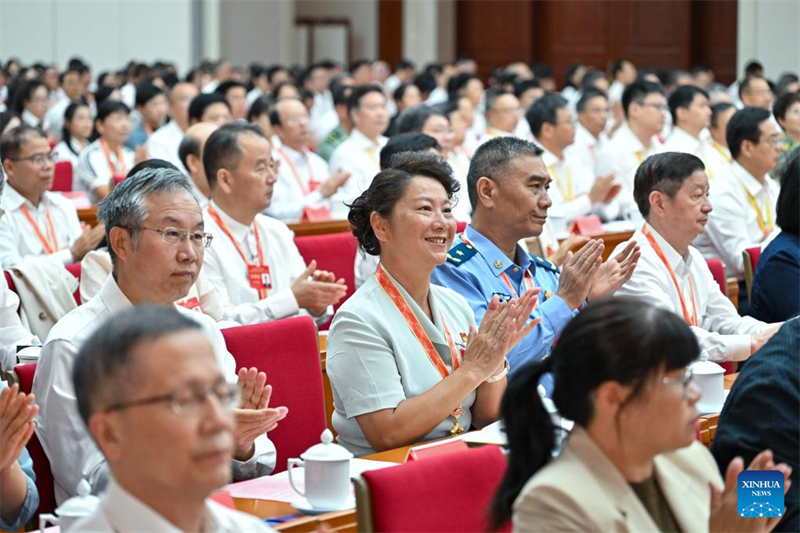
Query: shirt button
x=516, y=269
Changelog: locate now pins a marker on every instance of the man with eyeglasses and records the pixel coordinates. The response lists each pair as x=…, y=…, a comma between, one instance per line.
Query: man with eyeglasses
x=156, y=239
x=305, y=184
x=574, y=190
x=645, y=106
x=744, y=202
x=754, y=91
x=671, y=191
x=502, y=114
x=38, y=223
x=255, y=266
x=155, y=400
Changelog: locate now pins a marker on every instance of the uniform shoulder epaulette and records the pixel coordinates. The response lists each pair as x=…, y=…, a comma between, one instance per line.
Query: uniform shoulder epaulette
x=461, y=253
x=545, y=263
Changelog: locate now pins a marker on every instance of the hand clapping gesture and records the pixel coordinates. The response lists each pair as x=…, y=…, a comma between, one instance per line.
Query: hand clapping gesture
x=254, y=417
x=16, y=423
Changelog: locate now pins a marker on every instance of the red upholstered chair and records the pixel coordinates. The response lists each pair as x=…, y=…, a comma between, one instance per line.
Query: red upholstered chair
x=751, y=256
x=41, y=466
x=335, y=252
x=718, y=271
x=75, y=270
x=449, y=492
x=460, y=226
x=288, y=351
x=62, y=178
x=9, y=281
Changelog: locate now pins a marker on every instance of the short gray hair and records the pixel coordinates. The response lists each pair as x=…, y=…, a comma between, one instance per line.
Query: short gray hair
x=125, y=207
x=493, y=158
x=104, y=371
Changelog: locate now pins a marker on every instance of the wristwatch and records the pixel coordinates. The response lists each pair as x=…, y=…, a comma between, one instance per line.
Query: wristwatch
x=501, y=375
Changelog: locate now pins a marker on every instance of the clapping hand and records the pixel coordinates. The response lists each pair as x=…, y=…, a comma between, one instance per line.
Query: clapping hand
x=254, y=417
x=615, y=272
x=16, y=423
x=317, y=293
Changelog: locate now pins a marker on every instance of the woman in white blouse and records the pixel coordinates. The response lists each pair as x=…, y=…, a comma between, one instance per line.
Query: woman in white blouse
x=76, y=133
x=405, y=360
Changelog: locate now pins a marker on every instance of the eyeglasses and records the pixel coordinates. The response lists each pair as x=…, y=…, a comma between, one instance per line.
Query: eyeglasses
x=38, y=159
x=510, y=111
x=297, y=119
x=774, y=140
x=174, y=236
x=663, y=108
x=187, y=399
x=682, y=381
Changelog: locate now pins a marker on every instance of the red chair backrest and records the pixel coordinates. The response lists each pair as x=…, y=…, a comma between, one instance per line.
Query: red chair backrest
x=718, y=271
x=755, y=254
x=73, y=268
x=62, y=178
x=449, y=492
x=41, y=466
x=9, y=281
x=288, y=351
x=335, y=252
x=460, y=226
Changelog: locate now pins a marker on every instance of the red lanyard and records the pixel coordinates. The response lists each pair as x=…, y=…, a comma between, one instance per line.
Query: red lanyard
x=123, y=169
x=49, y=243
x=416, y=328
x=691, y=320
x=527, y=278
x=312, y=185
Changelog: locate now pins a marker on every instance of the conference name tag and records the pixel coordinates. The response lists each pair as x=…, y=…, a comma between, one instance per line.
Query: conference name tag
x=760, y=493
x=259, y=277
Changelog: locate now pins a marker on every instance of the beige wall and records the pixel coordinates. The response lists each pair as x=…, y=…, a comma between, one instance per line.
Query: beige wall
x=363, y=16
x=769, y=30
x=256, y=30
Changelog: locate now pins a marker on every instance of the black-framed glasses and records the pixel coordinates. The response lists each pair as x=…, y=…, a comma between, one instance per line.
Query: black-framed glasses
x=187, y=399
x=37, y=159
x=173, y=236
x=683, y=381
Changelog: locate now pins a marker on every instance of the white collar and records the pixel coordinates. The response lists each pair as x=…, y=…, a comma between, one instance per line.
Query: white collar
x=753, y=186
x=30, y=119
x=237, y=229
x=674, y=259
x=363, y=141
x=14, y=200
x=585, y=135
x=685, y=137
x=294, y=154
x=549, y=158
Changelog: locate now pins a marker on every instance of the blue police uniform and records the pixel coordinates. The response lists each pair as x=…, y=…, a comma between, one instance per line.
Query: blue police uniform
x=474, y=268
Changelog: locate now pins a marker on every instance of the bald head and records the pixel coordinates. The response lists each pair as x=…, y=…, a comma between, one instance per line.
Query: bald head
x=191, y=153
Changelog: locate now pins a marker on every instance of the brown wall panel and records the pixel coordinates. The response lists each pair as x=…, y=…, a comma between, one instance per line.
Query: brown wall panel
x=390, y=30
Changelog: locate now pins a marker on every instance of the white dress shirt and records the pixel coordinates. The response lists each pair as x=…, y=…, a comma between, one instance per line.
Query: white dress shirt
x=681, y=141
x=586, y=146
x=62, y=152
x=323, y=115
x=362, y=159
x=72, y=452
x=93, y=170
x=621, y=156
x=227, y=272
x=164, y=144
x=121, y=512
x=12, y=332
x=18, y=239
x=292, y=192
x=733, y=225
x=723, y=335
x=569, y=190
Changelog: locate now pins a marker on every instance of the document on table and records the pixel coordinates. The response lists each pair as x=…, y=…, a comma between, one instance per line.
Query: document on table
x=277, y=488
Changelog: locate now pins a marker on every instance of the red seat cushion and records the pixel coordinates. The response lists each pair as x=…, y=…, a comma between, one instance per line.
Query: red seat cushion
x=62, y=177
x=718, y=271
x=288, y=351
x=444, y=493
x=755, y=254
x=336, y=253
x=41, y=466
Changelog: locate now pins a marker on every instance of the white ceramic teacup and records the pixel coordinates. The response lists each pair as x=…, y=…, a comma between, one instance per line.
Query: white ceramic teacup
x=327, y=474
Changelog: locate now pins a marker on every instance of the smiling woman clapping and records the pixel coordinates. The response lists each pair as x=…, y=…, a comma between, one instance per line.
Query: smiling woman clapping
x=404, y=357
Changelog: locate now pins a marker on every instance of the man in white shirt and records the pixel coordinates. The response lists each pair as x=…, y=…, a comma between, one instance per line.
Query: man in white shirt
x=590, y=139
x=37, y=223
x=154, y=228
x=503, y=113
x=236, y=95
x=12, y=332
x=574, y=190
x=623, y=73
x=152, y=395
x=671, y=191
x=645, y=107
x=254, y=264
x=323, y=115
x=754, y=91
x=721, y=114
x=72, y=90
x=304, y=180
x=359, y=154
x=164, y=142
x=744, y=203
x=190, y=152
x=691, y=115
x=211, y=107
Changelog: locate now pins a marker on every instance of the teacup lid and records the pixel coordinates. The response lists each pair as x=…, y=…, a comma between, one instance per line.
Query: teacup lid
x=327, y=450
x=81, y=505
x=703, y=367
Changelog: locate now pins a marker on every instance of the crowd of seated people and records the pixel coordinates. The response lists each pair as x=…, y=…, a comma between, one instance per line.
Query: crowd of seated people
x=448, y=181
